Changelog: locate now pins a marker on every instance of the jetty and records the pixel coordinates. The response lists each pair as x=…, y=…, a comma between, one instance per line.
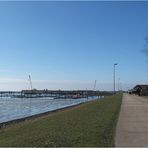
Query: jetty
x=34, y=93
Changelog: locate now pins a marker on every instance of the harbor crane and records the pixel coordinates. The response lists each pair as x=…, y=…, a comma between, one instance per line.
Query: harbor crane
x=30, y=82
x=95, y=85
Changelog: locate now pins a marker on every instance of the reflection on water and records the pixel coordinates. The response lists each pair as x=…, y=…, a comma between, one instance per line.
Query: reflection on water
x=15, y=108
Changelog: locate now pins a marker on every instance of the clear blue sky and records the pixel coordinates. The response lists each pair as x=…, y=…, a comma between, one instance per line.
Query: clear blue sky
x=69, y=45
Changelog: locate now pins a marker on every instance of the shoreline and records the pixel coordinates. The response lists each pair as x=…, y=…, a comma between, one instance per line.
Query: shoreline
x=6, y=124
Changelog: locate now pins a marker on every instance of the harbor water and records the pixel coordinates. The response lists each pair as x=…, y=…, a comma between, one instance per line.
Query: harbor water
x=16, y=108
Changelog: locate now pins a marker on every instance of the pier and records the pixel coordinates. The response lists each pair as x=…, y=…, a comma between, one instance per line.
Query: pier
x=34, y=93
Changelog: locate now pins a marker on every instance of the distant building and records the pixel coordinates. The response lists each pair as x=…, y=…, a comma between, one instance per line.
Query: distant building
x=141, y=90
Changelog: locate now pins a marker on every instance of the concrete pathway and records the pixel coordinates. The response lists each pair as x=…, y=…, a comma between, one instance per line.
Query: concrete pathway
x=132, y=126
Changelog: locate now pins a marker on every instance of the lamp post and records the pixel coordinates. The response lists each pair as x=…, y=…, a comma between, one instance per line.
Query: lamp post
x=114, y=76
x=119, y=84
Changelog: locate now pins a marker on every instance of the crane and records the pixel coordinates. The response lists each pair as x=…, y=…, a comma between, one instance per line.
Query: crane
x=95, y=85
x=30, y=82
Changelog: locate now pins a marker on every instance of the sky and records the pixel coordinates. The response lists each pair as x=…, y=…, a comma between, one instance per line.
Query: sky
x=69, y=45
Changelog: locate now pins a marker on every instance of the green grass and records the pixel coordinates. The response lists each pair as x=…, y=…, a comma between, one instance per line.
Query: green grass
x=90, y=124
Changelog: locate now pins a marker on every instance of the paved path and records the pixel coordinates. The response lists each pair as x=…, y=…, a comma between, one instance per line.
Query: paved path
x=132, y=127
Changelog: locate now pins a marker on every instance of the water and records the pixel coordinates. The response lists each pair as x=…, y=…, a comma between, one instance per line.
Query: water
x=16, y=108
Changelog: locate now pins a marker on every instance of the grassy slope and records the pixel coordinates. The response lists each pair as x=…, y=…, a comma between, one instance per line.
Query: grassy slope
x=90, y=124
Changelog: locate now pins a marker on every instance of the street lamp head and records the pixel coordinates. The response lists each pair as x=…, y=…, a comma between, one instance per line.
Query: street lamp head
x=116, y=64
